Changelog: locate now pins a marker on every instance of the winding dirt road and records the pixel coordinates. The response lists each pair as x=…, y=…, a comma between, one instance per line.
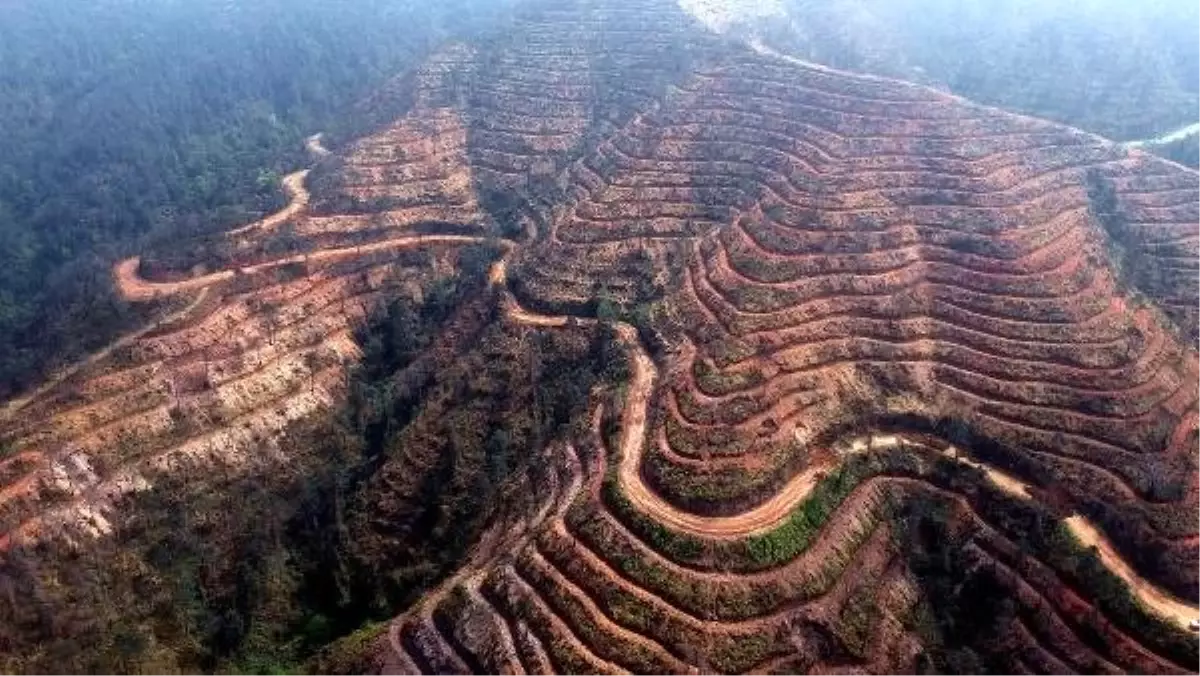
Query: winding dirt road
x=15, y=405
x=774, y=511
x=763, y=518
x=633, y=438
x=293, y=185
x=133, y=287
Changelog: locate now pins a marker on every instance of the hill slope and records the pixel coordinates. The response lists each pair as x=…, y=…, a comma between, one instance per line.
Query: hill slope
x=889, y=356
x=1123, y=70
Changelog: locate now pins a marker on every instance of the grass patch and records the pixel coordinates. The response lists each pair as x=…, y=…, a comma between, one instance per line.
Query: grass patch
x=770, y=549
x=673, y=545
x=805, y=521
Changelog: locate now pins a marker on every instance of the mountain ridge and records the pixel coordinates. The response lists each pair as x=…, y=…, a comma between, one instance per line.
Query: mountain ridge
x=791, y=264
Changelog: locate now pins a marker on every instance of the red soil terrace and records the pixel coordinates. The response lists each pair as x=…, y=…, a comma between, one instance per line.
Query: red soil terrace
x=834, y=253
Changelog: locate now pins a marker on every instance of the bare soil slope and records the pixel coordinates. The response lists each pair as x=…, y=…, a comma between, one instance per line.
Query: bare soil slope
x=846, y=303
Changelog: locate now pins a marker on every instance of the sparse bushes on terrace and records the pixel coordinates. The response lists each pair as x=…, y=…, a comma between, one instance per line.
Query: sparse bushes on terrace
x=574, y=612
x=720, y=490
x=502, y=589
x=714, y=383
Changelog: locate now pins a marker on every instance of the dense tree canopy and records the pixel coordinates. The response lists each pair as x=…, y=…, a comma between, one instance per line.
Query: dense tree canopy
x=1125, y=70
x=129, y=119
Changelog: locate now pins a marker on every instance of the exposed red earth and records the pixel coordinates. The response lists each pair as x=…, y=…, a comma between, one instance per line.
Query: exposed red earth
x=818, y=275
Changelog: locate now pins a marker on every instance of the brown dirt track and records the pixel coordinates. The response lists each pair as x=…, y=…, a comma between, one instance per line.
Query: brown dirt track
x=769, y=515
x=293, y=185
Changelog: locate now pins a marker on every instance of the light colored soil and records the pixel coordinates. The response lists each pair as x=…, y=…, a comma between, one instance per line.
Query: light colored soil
x=133, y=287
x=293, y=185
x=315, y=147
x=14, y=406
x=1005, y=482
x=1153, y=597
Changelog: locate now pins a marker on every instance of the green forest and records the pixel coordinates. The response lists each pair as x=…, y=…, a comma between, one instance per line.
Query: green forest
x=1124, y=70
x=131, y=122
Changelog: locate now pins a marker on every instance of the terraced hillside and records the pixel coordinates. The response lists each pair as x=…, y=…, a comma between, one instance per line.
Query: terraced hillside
x=895, y=361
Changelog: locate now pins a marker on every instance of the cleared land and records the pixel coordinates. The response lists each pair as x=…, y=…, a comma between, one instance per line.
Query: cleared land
x=840, y=299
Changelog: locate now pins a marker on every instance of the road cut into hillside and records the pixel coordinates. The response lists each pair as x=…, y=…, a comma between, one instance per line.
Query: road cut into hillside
x=772, y=513
x=298, y=195
x=643, y=373
x=132, y=286
x=1155, y=599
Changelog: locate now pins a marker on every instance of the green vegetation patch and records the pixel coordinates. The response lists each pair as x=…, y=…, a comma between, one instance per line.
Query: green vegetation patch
x=965, y=606
x=804, y=523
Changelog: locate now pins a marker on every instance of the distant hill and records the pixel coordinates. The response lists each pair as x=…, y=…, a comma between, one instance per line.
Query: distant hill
x=1125, y=70
x=128, y=118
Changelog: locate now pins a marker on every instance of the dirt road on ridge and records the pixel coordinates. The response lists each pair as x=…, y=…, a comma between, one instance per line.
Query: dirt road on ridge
x=633, y=437
x=133, y=287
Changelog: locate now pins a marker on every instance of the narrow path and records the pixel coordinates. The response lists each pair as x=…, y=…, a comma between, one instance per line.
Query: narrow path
x=1153, y=597
x=125, y=271
x=15, y=405
x=764, y=50
x=1002, y=480
x=293, y=185
x=510, y=658
x=315, y=147
x=133, y=287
